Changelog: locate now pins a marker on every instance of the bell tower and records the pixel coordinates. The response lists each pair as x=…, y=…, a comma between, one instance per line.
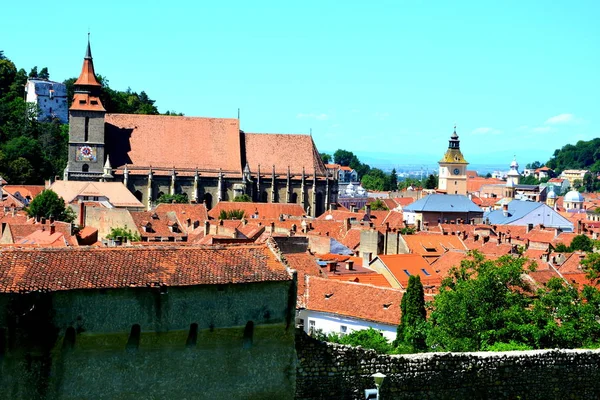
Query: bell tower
x=86, y=125
x=453, y=169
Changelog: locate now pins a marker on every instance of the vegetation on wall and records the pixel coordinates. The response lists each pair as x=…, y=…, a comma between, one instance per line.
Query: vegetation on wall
x=180, y=198
x=243, y=198
x=125, y=233
x=231, y=214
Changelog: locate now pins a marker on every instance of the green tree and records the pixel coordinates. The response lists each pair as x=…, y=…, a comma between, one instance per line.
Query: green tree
x=431, y=182
x=393, y=180
x=488, y=175
x=48, y=204
x=376, y=179
x=124, y=232
x=34, y=72
x=561, y=248
x=243, y=198
x=345, y=158
x=173, y=198
x=379, y=205
x=581, y=242
x=412, y=328
x=481, y=303
x=44, y=74
x=326, y=158
x=367, y=338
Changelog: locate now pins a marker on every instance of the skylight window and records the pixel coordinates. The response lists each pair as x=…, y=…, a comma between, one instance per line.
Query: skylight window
x=406, y=272
x=425, y=272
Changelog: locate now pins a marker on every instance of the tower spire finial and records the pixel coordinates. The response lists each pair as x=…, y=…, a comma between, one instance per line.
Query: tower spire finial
x=88, y=53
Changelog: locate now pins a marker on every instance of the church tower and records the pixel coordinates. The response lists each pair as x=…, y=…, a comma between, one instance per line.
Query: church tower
x=453, y=169
x=86, y=126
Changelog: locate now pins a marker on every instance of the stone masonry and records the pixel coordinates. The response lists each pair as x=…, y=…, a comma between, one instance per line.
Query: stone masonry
x=331, y=371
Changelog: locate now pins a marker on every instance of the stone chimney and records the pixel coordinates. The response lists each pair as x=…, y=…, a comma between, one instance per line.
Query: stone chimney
x=529, y=227
x=332, y=266
x=206, y=228
x=52, y=229
x=505, y=210
x=368, y=210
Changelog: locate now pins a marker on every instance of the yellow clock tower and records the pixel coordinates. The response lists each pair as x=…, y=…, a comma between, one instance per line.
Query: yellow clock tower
x=453, y=169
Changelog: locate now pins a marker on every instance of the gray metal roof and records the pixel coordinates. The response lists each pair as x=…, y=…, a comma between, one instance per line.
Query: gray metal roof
x=525, y=212
x=443, y=203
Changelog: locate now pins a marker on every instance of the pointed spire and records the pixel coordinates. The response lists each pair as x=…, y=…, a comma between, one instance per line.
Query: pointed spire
x=88, y=53
x=107, y=163
x=87, y=76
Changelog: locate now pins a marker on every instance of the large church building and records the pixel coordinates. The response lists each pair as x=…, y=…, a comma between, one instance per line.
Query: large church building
x=208, y=159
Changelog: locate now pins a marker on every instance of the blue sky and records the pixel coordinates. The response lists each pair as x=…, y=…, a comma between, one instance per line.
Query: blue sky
x=385, y=79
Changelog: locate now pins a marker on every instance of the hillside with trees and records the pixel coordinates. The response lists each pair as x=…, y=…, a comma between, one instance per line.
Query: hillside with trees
x=32, y=150
x=582, y=155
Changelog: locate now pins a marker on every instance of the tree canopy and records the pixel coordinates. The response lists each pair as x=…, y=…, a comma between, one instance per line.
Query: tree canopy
x=585, y=154
x=48, y=204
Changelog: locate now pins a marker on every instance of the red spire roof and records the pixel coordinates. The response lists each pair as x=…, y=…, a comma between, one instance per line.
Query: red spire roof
x=88, y=76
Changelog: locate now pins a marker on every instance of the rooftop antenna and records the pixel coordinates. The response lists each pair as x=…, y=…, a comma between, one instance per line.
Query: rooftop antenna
x=238, y=113
x=310, y=132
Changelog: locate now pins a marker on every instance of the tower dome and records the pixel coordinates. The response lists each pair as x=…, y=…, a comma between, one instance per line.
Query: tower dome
x=574, y=197
x=552, y=194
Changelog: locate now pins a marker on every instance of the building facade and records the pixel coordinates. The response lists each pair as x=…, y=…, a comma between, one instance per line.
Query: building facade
x=453, y=169
x=50, y=98
x=207, y=159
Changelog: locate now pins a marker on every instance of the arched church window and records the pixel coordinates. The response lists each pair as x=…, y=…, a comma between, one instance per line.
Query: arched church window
x=85, y=168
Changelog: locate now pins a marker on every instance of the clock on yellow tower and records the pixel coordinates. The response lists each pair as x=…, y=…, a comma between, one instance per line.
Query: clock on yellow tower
x=453, y=169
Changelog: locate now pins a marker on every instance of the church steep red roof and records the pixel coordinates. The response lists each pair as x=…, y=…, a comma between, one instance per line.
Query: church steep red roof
x=165, y=141
x=283, y=150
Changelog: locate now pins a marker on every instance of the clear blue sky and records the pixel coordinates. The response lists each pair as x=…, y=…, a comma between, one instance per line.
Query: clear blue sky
x=385, y=79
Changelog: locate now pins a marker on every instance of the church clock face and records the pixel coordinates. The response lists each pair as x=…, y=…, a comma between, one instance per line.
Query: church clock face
x=456, y=171
x=86, y=153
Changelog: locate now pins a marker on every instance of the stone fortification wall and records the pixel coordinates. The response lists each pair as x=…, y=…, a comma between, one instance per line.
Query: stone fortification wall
x=330, y=371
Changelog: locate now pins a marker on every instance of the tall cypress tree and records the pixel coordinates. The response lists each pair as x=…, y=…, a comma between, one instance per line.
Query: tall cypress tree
x=411, y=329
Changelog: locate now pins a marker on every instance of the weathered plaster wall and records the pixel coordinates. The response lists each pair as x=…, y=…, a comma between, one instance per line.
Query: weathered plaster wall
x=330, y=371
x=80, y=345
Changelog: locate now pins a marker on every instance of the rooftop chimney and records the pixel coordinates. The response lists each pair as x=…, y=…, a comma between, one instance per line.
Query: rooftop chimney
x=82, y=214
x=529, y=227
x=332, y=266
x=206, y=228
x=368, y=210
x=505, y=210
x=52, y=229
x=350, y=265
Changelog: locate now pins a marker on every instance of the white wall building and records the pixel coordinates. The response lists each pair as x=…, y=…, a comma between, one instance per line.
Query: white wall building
x=342, y=325
x=50, y=97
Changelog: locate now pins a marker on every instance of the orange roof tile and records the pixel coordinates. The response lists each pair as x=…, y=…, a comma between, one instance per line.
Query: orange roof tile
x=414, y=264
x=374, y=279
x=432, y=244
x=95, y=268
x=165, y=141
x=27, y=191
x=446, y=261
x=193, y=212
x=355, y=300
x=304, y=264
x=283, y=150
x=259, y=210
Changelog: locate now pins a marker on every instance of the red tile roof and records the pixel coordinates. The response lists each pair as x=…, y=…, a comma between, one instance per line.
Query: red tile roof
x=398, y=264
x=446, y=261
x=167, y=141
x=27, y=270
x=432, y=244
x=355, y=300
x=259, y=210
x=374, y=279
x=295, y=151
x=304, y=264
x=27, y=191
x=193, y=212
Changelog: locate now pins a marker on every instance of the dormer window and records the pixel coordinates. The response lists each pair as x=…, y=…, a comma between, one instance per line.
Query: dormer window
x=155, y=216
x=174, y=228
x=147, y=227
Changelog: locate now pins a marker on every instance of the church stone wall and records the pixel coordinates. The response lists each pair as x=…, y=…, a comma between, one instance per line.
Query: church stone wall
x=82, y=344
x=331, y=371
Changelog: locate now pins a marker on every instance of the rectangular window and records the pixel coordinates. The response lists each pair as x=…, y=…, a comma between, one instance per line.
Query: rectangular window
x=87, y=127
x=406, y=272
x=343, y=329
x=425, y=271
